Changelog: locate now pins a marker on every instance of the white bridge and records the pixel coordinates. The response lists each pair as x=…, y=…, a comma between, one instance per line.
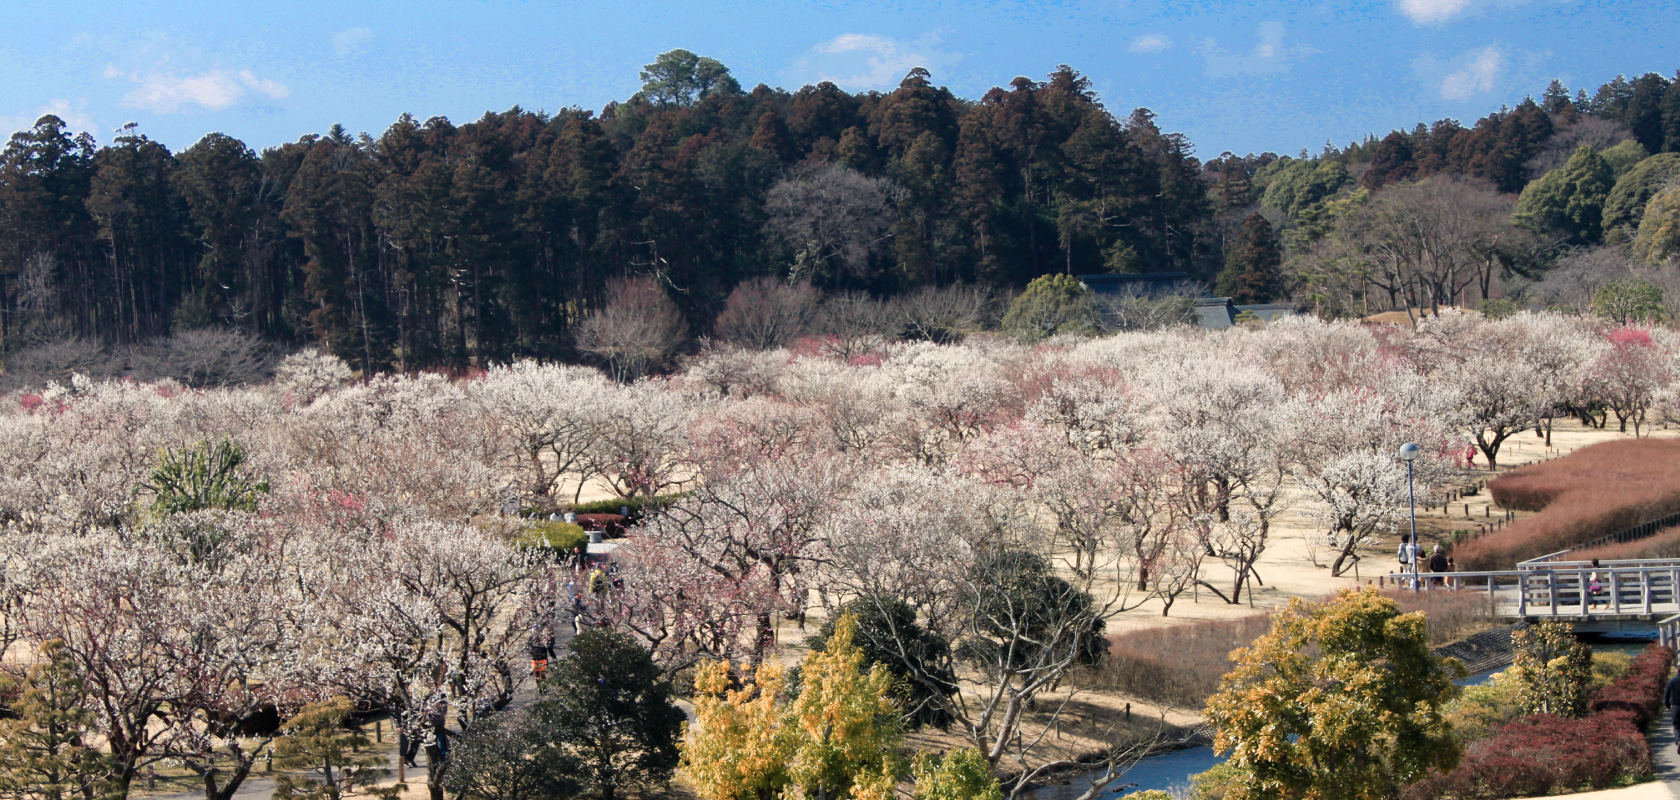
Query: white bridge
x=1610, y=596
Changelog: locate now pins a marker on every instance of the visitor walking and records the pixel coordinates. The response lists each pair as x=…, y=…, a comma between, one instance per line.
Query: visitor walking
x=541, y=647
x=1438, y=563
x=1595, y=587
x=580, y=609
x=1408, y=555
x=1671, y=701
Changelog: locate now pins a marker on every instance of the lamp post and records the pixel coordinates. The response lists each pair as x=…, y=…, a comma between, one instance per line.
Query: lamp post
x=1408, y=454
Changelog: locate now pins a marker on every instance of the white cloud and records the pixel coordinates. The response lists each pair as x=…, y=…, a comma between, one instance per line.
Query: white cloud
x=1150, y=43
x=1430, y=12
x=351, y=41
x=1476, y=77
x=866, y=61
x=274, y=89
x=213, y=90
x=1268, y=56
x=1436, y=12
x=75, y=117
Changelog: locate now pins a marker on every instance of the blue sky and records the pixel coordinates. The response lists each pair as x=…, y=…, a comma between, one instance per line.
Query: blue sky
x=1233, y=76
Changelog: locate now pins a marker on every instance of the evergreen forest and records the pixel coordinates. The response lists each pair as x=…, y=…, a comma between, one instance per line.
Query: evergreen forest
x=441, y=245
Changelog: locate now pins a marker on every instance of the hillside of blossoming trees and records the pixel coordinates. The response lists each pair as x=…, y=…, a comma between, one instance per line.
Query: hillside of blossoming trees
x=201, y=554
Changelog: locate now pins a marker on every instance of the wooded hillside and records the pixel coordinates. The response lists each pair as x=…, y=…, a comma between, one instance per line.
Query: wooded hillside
x=436, y=244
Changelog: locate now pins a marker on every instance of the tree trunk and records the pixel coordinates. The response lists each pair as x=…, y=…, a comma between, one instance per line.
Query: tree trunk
x=434, y=771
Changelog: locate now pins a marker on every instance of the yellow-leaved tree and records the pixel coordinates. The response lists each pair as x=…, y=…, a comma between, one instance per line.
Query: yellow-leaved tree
x=964, y=774
x=1340, y=701
x=837, y=740
x=733, y=750
x=844, y=728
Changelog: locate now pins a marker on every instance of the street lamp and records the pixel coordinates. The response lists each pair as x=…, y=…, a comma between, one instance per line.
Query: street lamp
x=1408, y=454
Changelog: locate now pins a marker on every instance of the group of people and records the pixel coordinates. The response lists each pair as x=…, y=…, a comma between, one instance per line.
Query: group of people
x=1438, y=562
x=577, y=601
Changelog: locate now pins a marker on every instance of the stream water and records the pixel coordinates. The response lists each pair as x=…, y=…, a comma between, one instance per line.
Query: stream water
x=1171, y=771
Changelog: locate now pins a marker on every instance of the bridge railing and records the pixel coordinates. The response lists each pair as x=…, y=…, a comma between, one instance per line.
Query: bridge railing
x=1620, y=563
x=1581, y=590
x=1668, y=631
x=1496, y=584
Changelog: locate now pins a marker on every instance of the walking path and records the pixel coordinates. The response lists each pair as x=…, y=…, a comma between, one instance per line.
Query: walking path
x=1663, y=755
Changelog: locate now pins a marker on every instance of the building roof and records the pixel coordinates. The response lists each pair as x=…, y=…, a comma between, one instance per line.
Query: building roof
x=1210, y=312
x=1143, y=280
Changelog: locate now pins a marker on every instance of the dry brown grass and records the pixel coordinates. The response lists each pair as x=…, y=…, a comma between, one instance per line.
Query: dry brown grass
x=1179, y=665
x=1453, y=615
x=1662, y=544
x=1593, y=492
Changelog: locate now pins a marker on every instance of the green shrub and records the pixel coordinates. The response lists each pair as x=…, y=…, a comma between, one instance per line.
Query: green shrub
x=638, y=506
x=558, y=538
x=1608, y=668
x=1216, y=783
x=1498, y=308
x=1483, y=709
x=204, y=476
x=1552, y=670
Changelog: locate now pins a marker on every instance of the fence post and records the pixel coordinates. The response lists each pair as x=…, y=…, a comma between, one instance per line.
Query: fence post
x=1645, y=587
x=1581, y=590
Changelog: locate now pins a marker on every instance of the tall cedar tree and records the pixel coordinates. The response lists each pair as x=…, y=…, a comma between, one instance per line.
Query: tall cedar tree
x=1254, y=269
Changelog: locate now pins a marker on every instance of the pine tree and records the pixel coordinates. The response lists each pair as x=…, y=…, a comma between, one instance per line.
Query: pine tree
x=1556, y=98
x=1052, y=304
x=320, y=742
x=610, y=707
x=1671, y=118
x=47, y=750
x=1254, y=269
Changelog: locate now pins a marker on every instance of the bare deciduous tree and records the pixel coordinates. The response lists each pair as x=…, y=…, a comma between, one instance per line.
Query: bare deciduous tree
x=637, y=331
x=832, y=219
x=944, y=313
x=1431, y=240
x=764, y=313
x=57, y=360
x=204, y=357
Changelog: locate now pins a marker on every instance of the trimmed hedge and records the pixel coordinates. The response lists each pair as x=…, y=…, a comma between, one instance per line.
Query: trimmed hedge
x=557, y=538
x=638, y=506
x=1546, y=754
